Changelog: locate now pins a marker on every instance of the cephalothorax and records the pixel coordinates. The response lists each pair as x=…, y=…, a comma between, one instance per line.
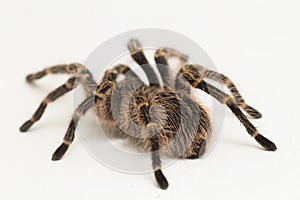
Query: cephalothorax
x=160, y=118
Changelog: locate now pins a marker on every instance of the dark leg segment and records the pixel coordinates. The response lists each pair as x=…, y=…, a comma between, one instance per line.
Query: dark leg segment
x=137, y=54
x=52, y=96
x=164, y=68
x=161, y=58
x=69, y=136
x=194, y=78
x=144, y=106
x=74, y=68
x=156, y=164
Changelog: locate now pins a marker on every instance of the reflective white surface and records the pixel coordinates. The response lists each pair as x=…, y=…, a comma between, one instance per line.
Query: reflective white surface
x=256, y=43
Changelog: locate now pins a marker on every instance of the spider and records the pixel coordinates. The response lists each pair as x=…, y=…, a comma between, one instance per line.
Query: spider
x=163, y=119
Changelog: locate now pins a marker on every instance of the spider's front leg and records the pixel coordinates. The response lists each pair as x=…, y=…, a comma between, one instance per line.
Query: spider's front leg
x=81, y=75
x=97, y=95
x=69, y=136
x=143, y=108
x=107, y=84
x=192, y=75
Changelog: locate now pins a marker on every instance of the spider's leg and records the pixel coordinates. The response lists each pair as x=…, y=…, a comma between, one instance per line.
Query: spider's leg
x=73, y=68
x=164, y=68
x=161, y=58
x=100, y=93
x=135, y=48
x=69, y=85
x=192, y=75
x=125, y=70
x=221, y=78
x=144, y=108
x=156, y=164
x=69, y=136
x=97, y=95
x=80, y=75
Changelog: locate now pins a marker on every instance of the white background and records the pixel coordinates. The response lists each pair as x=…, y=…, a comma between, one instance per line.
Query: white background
x=256, y=43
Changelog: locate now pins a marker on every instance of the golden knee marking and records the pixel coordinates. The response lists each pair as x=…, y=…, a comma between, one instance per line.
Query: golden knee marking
x=157, y=167
x=190, y=75
x=77, y=115
x=48, y=71
x=227, y=81
x=32, y=119
x=183, y=69
x=69, y=85
x=197, y=82
x=161, y=52
x=46, y=101
x=255, y=134
x=135, y=51
x=67, y=142
x=244, y=105
x=227, y=99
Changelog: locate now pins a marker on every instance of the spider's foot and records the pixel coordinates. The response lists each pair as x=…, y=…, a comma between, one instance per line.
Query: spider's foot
x=253, y=112
x=267, y=144
x=134, y=45
x=60, y=151
x=26, y=126
x=30, y=78
x=161, y=179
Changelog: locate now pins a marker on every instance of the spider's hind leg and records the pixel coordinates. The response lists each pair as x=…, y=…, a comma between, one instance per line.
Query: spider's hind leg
x=237, y=97
x=192, y=75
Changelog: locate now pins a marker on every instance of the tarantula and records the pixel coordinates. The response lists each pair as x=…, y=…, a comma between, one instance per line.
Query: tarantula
x=160, y=118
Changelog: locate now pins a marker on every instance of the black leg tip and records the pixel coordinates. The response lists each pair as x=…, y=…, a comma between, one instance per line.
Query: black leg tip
x=161, y=179
x=29, y=78
x=60, y=151
x=267, y=144
x=26, y=126
x=253, y=112
x=256, y=115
